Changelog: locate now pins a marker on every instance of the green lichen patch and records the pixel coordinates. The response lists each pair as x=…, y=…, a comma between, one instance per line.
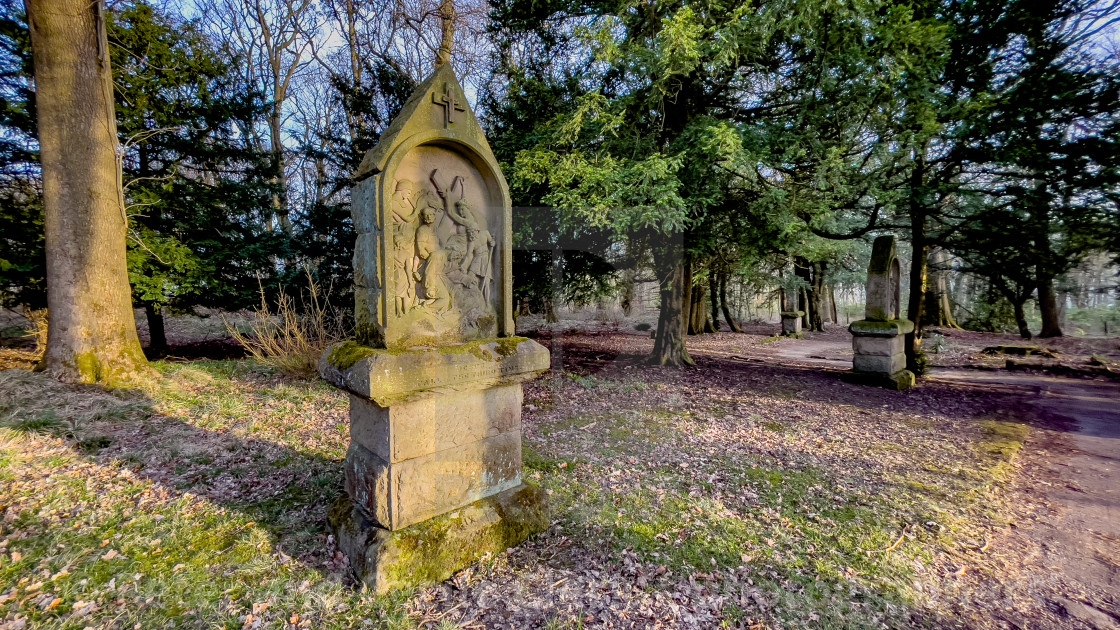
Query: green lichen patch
x=436, y=549
x=486, y=349
x=881, y=329
x=347, y=354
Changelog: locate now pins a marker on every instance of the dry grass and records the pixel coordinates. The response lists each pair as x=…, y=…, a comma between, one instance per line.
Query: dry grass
x=37, y=329
x=732, y=495
x=34, y=329
x=294, y=337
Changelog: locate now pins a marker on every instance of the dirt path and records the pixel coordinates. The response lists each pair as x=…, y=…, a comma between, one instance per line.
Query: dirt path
x=1078, y=477
x=1072, y=470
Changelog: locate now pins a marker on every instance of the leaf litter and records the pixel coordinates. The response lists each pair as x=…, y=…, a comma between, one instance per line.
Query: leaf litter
x=734, y=494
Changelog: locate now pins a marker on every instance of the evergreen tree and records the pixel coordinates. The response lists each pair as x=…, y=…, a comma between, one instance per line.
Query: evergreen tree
x=23, y=260
x=197, y=193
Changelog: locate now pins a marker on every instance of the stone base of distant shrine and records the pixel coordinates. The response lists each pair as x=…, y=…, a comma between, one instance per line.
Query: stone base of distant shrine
x=791, y=323
x=436, y=549
x=880, y=354
x=433, y=474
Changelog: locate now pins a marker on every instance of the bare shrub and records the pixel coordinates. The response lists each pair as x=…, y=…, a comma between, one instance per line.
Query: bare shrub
x=25, y=349
x=294, y=336
x=37, y=330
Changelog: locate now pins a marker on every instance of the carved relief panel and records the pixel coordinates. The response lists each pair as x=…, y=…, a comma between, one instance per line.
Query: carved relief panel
x=439, y=228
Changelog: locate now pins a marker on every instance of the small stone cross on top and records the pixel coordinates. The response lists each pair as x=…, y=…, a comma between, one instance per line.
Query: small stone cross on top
x=449, y=104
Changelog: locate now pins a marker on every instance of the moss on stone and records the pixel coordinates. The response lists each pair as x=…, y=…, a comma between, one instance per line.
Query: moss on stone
x=507, y=346
x=346, y=354
x=503, y=347
x=881, y=329
x=370, y=335
x=438, y=548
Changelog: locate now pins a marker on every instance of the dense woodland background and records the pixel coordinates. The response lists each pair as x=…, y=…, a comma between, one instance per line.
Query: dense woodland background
x=730, y=154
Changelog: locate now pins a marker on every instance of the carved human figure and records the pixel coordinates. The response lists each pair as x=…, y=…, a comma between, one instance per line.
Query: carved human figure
x=404, y=211
x=437, y=295
x=480, y=243
x=480, y=249
x=427, y=241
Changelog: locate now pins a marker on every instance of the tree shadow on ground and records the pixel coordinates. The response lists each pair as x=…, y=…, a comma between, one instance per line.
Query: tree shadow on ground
x=286, y=490
x=729, y=373
x=282, y=489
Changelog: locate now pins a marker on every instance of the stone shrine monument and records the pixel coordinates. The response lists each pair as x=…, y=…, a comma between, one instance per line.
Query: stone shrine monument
x=879, y=338
x=433, y=474
x=791, y=317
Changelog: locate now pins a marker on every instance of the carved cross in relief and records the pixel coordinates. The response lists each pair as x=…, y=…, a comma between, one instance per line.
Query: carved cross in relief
x=449, y=104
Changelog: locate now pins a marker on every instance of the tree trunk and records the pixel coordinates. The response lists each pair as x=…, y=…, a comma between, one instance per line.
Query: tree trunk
x=833, y=313
x=627, y=299
x=1021, y=318
x=1048, y=307
x=706, y=325
x=92, y=329
x=554, y=287
x=692, y=328
x=938, y=309
x=279, y=177
x=157, y=332
x=447, y=32
x=674, y=276
x=802, y=270
x=919, y=251
x=713, y=293
x=731, y=323
x=697, y=314
x=816, y=293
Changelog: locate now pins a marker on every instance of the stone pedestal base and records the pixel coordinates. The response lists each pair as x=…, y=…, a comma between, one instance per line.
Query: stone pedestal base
x=880, y=354
x=433, y=550
x=791, y=323
x=899, y=381
x=433, y=474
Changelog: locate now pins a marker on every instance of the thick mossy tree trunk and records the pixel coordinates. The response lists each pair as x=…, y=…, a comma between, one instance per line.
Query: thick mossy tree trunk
x=731, y=323
x=92, y=330
x=674, y=277
x=1048, y=308
x=157, y=331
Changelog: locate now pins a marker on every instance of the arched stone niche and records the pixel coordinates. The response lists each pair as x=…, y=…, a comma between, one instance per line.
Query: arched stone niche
x=432, y=212
x=884, y=276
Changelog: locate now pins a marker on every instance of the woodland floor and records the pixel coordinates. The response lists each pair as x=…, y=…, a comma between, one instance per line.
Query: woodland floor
x=755, y=490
